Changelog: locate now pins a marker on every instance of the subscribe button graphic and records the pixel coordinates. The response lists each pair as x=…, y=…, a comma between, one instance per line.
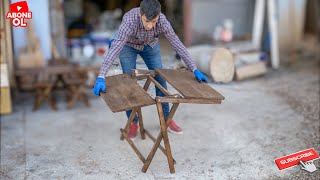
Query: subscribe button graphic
x=294, y=159
x=18, y=12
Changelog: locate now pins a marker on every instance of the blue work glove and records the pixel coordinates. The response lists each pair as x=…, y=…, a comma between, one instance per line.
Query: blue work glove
x=200, y=77
x=99, y=86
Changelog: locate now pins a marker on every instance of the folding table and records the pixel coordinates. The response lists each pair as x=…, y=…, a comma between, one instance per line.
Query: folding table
x=124, y=93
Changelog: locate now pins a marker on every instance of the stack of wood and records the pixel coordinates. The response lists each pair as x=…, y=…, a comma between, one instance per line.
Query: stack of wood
x=249, y=64
x=31, y=55
x=224, y=65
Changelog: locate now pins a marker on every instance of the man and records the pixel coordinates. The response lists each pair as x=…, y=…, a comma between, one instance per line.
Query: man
x=138, y=34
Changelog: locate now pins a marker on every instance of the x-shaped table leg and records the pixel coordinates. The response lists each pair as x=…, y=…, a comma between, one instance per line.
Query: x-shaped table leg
x=162, y=135
x=134, y=112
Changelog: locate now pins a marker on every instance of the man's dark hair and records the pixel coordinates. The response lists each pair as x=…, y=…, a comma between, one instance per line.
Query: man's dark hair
x=150, y=8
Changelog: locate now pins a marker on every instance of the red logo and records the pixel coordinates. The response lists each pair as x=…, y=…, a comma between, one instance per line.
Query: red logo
x=294, y=159
x=18, y=12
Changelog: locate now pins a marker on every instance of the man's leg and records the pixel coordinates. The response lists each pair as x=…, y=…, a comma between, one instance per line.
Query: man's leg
x=152, y=58
x=128, y=58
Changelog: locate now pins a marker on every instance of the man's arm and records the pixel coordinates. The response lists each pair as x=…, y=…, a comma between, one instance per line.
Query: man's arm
x=120, y=40
x=177, y=44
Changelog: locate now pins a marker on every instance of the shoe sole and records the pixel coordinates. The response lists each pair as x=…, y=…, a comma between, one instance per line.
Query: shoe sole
x=175, y=132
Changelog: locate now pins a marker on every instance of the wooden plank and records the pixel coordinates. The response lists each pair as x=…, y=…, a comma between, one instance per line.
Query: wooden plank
x=189, y=101
x=187, y=85
x=158, y=140
x=250, y=70
x=160, y=146
x=258, y=20
x=165, y=138
x=273, y=28
x=142, y=130
x=4, y=79
x=9, y=45
x=5, y=100
x=5, y=96
x=136, y=150
x=56, y=69
x=124, y=93
x=155, y=82
x=2, y=35
x=57, y=29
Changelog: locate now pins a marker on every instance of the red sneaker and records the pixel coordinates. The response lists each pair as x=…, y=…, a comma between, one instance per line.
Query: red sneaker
x=133, y=131
x=175, y=129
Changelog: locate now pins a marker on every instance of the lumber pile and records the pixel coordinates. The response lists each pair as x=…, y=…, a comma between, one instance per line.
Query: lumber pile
x=217, y=63
x=224, y=65
x=248, y=65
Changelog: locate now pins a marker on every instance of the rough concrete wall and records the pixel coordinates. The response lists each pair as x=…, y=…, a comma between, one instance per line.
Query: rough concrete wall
x=206, y=14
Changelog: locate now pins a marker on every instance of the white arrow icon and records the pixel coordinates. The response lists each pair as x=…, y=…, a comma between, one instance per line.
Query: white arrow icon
x=19, y=7
x=308, y=166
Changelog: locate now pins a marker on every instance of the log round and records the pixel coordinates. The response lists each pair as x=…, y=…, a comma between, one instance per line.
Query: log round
x=217, y=63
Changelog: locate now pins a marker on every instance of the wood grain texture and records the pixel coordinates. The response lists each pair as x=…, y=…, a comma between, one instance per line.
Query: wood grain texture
x=5, y=101
x=124, y=93
x=187, y=85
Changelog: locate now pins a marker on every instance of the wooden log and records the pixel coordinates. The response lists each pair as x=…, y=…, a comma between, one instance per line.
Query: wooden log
x=217, y=63
x=245, y=58
x=250, y=70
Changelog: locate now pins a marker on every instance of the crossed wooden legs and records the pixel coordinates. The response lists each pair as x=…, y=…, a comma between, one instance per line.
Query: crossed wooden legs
x=162, y=135
x=76, y=92
x=44, y=93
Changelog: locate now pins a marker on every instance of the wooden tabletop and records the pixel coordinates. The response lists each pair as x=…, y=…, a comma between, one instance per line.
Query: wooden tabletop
x=124, y=93
x=187, y=85
x=57, y=69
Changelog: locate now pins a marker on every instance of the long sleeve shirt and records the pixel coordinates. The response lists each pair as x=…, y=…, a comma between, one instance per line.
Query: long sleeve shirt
x=132, y=33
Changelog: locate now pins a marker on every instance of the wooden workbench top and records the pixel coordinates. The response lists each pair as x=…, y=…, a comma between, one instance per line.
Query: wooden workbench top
x=124, y=93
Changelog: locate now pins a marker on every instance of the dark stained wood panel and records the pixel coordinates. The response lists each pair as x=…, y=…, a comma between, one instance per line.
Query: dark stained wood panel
x=124, y=93
x=187, y=85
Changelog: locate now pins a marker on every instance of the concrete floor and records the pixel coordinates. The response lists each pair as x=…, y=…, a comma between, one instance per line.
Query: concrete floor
x=261, y=119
